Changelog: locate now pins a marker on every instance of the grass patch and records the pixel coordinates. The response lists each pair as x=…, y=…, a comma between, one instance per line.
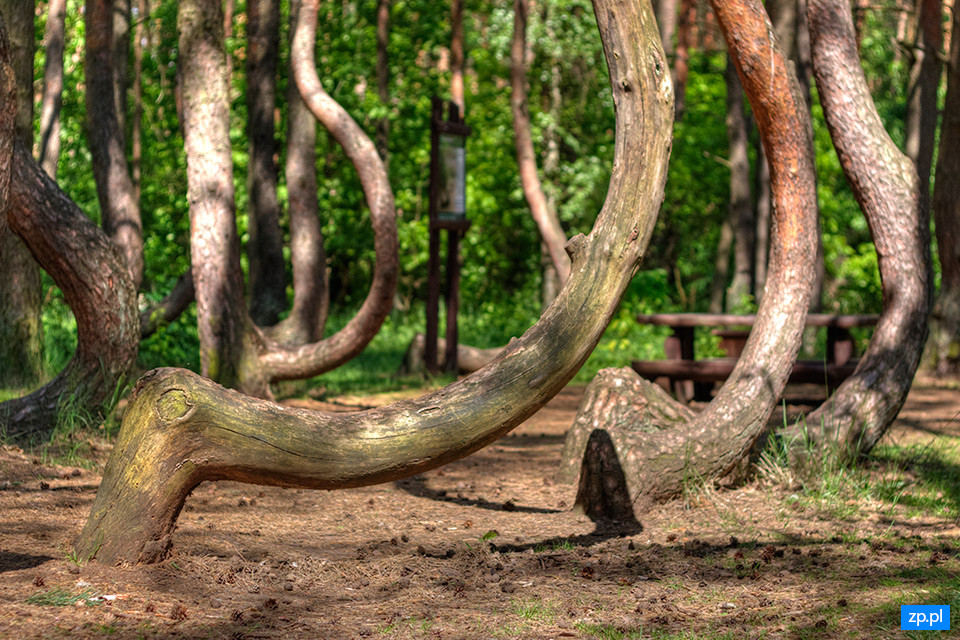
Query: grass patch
x=59, y=597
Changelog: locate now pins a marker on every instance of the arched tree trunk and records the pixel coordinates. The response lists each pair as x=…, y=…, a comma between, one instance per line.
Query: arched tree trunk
x=944, y=343
x=311, y=292
x=267, y=271
x=168, y=309
x=50, y=103
x=233, y=351
x=886, y=185
x=120, y=210
x=659, y=444
x=546, y=218
x=96, y=284
x=180, y=430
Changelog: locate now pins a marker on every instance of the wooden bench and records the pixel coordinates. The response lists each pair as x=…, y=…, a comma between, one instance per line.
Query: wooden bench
x=689, y=378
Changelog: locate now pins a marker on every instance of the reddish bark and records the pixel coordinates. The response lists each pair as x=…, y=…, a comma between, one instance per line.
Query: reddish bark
x=922, y=112
x=659, y=442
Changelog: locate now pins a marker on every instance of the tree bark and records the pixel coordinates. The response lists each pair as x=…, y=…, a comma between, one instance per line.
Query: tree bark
x=311, y=291
x=136, y=127
x=547, y=221
x=660, y=445
x=667, y=20
x=721, y=266
x=21, y=327
x=741, y=211
x=886, y=185
x=383, y=76
x=52, y=100
x=120, y=48
x=180, y=430
x=944, y=343
x=120, y=211
x=267, y=270
x=681, y=64
x=96, y=284
x=222, y=322
x=922, y=112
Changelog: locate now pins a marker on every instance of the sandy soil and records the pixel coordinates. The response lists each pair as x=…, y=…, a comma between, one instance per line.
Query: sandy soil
x=483, y=548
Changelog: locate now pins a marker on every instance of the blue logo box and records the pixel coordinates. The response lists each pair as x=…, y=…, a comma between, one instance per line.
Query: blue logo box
x=925, y=617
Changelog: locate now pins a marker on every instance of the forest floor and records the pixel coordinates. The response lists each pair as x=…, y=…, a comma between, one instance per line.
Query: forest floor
x=488, y=547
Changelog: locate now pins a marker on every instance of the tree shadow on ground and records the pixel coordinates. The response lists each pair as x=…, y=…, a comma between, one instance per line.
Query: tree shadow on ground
x=417, y=486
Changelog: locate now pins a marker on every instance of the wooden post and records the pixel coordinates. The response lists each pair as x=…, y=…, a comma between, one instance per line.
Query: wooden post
x=454, y=221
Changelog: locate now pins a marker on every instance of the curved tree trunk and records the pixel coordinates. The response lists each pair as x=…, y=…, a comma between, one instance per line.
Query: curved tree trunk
x=311, y=292
x=546, y=218
x=180, y=430
x=168, y=309
x=660, y=444
x=96, y=284
x=885, y=183
x=120, y=211
x=267, y=271
x=52, y=100
x=944, y=343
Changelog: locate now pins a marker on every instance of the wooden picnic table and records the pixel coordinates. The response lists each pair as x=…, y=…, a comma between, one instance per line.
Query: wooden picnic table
x=682, y=369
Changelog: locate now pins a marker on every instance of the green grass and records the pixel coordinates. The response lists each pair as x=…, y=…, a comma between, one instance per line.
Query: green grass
x=534, y=609
x=59, y=597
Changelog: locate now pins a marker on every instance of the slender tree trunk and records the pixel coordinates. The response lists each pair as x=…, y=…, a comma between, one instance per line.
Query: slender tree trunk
x=180, y=430
x=120, y=48
x=657, y=443
x=456, y=55
x=136, y=127
x=21, y=329
x=944, y=344
x=667, y=13
x=222, y=322
x=721, y=266
x=681, y=64
x=267, y=270
x=551, y=232
x=886, y=185
x=741, y=212
x=551, y=162
x=763, y=216
x=311, y=292
x=120, y=211
x=922, y=112
x=50, y=103
x=383, y=78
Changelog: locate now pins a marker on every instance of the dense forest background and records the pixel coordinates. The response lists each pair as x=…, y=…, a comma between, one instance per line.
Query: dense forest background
x=572, y=118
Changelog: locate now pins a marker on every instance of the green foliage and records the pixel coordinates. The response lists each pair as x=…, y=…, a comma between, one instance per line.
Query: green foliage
x=60, y=597
x=501, y=253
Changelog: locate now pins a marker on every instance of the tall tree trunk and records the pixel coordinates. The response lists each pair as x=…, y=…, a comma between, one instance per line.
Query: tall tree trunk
x=551, y=284
x=21, y=328
x=120, y=47
x=944, y=343
x=456, y=55
x=267, y=271
x=886, y=185
x=681, y=64
x=136, y=127
x=741, y=212
x=237, y=438
x=922, y=112
x=551, y=232
x=222, y=322
x=667, y=13
x=721, y=265
x=383, y=77
x=311, y=292
x=657, y=442
x=49, y=145
x=120, y=211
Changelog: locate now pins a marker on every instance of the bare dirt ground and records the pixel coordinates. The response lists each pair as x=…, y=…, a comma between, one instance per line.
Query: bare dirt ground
x=487, y=547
